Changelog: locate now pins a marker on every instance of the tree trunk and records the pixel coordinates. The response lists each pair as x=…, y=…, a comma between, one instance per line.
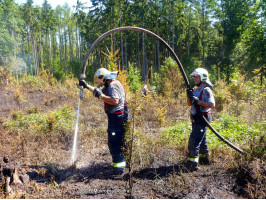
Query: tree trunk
x=33, y=53
x=143, y=55
x=188, y=37
x=203, y=35
x=37, y=57
x=54, y=46
x=126, y=50
x=173, y=27
x=65, y=52
x=50, y=51
x=158, y=44
x=60, y=45
x=106, y=52
x=81, y=46
x=29, y=57
x=153, y=56
x=77, y=44
x=70, y=43
x=138, y=52
x=120, y=23
x=40, y=49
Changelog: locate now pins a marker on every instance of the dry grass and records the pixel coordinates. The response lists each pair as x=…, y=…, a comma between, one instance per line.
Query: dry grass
x=156, y=160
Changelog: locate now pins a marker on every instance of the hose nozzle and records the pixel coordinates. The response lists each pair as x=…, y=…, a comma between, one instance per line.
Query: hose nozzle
x=81, y=91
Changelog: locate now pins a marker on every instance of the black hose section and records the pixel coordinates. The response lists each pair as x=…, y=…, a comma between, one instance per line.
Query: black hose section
x=221, y=137
x=176, y=59
x=141, y=30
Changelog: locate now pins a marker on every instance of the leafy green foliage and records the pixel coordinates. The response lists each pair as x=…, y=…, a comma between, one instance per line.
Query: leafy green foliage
x=232, y=129
x=178, y=133
x=227, y=35
x=57, y=121
x=76, y=66
x=228, y=126
x=170, y=79
x=133, y=78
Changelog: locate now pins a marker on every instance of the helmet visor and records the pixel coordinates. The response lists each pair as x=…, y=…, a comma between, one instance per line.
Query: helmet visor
x=194, y=73
x=112, y=75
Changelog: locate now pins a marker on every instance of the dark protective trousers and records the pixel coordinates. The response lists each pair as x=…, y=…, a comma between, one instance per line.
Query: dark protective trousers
x=197, y=141
x=116, y=132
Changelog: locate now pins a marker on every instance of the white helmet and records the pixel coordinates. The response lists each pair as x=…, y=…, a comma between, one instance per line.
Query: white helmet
x=102, y=74
x=203, y=73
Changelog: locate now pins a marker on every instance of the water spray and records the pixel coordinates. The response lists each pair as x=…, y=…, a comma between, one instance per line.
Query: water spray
x=74, y=148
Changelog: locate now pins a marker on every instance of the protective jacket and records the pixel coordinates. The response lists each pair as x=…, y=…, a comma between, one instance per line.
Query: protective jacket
x=205, y=94
x=197, y=141
x=117, y=118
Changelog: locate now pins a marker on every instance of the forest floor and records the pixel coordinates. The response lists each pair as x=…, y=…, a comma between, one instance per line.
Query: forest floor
x=44, y=161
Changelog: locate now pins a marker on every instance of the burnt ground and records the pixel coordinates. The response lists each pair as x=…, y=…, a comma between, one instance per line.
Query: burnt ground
x=43, y=162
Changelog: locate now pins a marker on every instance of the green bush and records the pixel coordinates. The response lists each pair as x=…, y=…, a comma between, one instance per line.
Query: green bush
x=232, y=129
x=178, y=133
x=40, y=123
x=133, y=78
x=228, y=126
x=58, y=73
x=170, y=80
x=75, y=67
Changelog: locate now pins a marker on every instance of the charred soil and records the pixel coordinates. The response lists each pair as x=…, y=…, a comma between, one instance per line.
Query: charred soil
x=43, y=161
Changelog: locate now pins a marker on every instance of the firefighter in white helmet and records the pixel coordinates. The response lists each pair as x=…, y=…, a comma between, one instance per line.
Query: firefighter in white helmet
x=201, y=100
x=114, y=97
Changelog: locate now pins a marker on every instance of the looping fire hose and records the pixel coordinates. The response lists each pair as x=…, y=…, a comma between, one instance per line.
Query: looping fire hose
x=174, y=56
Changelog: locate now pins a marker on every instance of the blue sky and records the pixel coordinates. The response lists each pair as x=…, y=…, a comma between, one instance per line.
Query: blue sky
x=54, y=3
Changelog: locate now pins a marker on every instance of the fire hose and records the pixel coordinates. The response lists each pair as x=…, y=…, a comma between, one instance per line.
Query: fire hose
x=175, y=58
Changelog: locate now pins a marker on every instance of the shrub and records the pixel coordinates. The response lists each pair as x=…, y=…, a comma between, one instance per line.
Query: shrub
x=228, y=126
x=160, y=114
x=34, y=109
x=239, y=87
x=178, y=133
x=48, y=77
x=144, y=147
x=133, y=78
x=76, y=66
x=222, y=96
x=40, y=123
x=170, y=80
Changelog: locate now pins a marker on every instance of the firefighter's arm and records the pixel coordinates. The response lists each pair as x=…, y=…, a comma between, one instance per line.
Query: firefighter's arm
x=110, y=100
x=206, y=104
x=107, y=99
x=90, y=88
x=209, y=99
x=195, y=100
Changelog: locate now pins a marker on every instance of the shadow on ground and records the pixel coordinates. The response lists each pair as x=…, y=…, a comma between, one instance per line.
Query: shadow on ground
x=102, y=171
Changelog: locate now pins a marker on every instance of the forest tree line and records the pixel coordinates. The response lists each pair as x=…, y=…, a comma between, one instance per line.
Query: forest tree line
x=223, y=36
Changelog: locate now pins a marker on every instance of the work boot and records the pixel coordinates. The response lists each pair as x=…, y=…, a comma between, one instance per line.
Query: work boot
x=204, y=159
x=119, y=171
x=191, y=166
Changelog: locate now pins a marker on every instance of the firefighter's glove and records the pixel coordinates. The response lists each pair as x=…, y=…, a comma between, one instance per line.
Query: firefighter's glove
x=194, y=100
x=97, y=93
x=189, y=93
x=83, y=83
